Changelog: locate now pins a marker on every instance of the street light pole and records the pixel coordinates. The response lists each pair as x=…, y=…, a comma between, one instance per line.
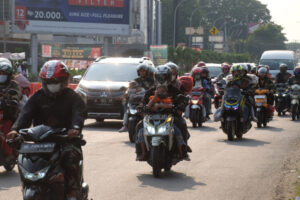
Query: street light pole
x=191, y=19
x=174, y=21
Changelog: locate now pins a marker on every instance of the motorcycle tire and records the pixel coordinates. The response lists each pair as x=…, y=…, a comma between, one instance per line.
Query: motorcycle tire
x=294, y=110
x=155, y=158
x=100, y=120
x=193, y=118
x=131, y=131
x=199, y=124
x=230, y=129
x=9, y=166
x=265, y=124
x=279, y=113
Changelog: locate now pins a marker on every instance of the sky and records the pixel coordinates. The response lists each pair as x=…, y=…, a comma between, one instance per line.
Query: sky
x=287, y=14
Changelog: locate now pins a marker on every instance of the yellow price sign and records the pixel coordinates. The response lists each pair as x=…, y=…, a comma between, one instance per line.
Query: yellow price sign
x=214, y=31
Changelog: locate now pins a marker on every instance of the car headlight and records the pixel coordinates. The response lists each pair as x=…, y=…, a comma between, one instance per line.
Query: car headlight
x=194, y=101
x=133, y=111
x=34, y=176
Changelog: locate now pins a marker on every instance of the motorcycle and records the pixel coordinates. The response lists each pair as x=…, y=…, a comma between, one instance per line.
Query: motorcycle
x=197, y=109
x=262, y=108
x=39, y=163
x=134, y=114
x=295, y=96
x=160, y=142
x=219, y=92
x=235, y=118
x=5, y=125
x=281, y=104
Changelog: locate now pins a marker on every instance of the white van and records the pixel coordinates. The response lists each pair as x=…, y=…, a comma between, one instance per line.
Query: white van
x=277, y=57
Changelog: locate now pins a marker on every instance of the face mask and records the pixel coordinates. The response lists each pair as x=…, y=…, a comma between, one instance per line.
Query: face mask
x=162, y=96
x=198, y=76
x=3, y=78
x=54, y=88
x=174, y=78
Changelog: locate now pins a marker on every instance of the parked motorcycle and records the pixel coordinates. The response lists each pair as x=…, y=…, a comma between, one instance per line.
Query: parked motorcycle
x=197, y=108
x=219, y=92
x=262, y=108
x=281, y=103
x=295, y=96
x=5, y=125
x=235, y=118
x=40, y=154
x=134, y=114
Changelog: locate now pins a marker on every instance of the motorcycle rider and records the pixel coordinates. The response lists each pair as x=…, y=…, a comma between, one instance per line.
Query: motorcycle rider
x=201, y=79
x=283, y=76
x=225, y=71
x=265, y=82
x=57, y=106
x=163, y=78
x=145, y=81
x=175, y=71
x=10, y=113
x=240, y=79
x=296, y=78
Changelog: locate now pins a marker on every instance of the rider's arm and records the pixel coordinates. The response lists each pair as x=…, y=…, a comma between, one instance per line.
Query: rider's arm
x=78, y=112
x=25, y=118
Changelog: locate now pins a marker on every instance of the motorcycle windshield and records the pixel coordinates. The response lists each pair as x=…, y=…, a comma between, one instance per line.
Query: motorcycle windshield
x=232, y=94
x=39, y=133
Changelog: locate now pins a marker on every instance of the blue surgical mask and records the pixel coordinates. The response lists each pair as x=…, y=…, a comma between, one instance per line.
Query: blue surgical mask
x=3, y=78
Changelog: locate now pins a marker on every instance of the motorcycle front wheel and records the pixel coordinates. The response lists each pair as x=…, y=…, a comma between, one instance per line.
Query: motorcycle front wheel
x=131, y=131
x=155, y=157
x=230, y=130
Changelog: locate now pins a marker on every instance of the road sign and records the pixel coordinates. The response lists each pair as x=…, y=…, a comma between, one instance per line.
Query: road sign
x=214, y=31
x=216, y=39
x=193, y=31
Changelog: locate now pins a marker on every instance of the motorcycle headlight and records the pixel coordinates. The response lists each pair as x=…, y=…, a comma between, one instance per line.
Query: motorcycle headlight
x=227, y=106
x=169, y=119
x=34, y=176
x=235, y=107
x=133, y=111
x=162, y=130
x=194, y=101
x=284, y=95
x=276, y=95
x=150, y=129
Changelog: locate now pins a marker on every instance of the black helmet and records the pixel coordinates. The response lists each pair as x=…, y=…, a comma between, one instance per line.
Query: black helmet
x=283, y=68
x=7, y=69
x=175, y=67
x=142, y=67
x=163, y=75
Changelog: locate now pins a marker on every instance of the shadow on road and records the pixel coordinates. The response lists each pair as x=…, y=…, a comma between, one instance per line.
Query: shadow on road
x=207, y=129
x=110, y=126
x=170, y=181
x=130, y=144
x=9, y=180
x=269, y=128
x=245, y=142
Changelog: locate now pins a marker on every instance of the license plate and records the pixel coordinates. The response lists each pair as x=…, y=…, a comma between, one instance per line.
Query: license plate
x=37, y=148
x=260, y=96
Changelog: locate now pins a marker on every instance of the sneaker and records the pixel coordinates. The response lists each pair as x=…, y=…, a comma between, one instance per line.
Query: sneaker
x=123, y=129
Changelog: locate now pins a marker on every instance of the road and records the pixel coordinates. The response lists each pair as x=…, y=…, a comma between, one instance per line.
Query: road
x=247, y=169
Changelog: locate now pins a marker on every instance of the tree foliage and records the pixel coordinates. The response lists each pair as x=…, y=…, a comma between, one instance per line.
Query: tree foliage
x=267, y=37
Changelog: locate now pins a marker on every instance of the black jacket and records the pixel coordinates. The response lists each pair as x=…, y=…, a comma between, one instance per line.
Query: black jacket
x=146, y=84
x=282, y=78
x=66, y=110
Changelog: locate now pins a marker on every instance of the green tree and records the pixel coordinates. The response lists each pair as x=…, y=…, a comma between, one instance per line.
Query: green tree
x=267, y=37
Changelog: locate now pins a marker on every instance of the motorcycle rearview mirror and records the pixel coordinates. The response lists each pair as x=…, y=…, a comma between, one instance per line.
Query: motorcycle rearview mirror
x=77, y=78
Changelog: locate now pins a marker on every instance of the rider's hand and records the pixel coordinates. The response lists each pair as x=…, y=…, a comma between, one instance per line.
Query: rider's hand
x=11, y=134
x=73, y=132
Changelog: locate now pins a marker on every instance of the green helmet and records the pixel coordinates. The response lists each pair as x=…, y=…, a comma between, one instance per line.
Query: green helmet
x=234, y=69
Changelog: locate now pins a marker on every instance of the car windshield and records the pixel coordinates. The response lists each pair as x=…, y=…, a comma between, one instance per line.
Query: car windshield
x=275, y=63
x=214, y=71
x=111, y=72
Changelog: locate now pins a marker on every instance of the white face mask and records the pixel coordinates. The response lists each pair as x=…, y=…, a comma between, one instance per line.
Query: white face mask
x=54, y=88
x=3, y=78
x=173, y=78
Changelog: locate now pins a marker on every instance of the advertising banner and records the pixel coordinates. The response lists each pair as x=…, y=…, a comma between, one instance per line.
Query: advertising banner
x=76, y=17
x=70, y=52
x=159, y=54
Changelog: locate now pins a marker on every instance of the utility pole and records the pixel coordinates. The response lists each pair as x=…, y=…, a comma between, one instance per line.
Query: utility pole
x=174, y=22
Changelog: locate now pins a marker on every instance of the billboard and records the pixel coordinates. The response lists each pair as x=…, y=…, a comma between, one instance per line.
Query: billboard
x=70, y=52
x=159, y=54
x=76, y=17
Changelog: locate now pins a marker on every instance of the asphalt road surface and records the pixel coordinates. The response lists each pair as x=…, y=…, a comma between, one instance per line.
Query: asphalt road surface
x=218, y=170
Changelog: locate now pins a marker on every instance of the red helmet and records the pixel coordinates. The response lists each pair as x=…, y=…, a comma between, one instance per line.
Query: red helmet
x=54, y=69
x=197, y=70
x=225, y=66
x=54, y=75
x=201, y=64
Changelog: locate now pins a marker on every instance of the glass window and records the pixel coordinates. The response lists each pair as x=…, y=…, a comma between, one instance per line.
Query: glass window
x=111, y=72
x=214, y=71
x=275, y=63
